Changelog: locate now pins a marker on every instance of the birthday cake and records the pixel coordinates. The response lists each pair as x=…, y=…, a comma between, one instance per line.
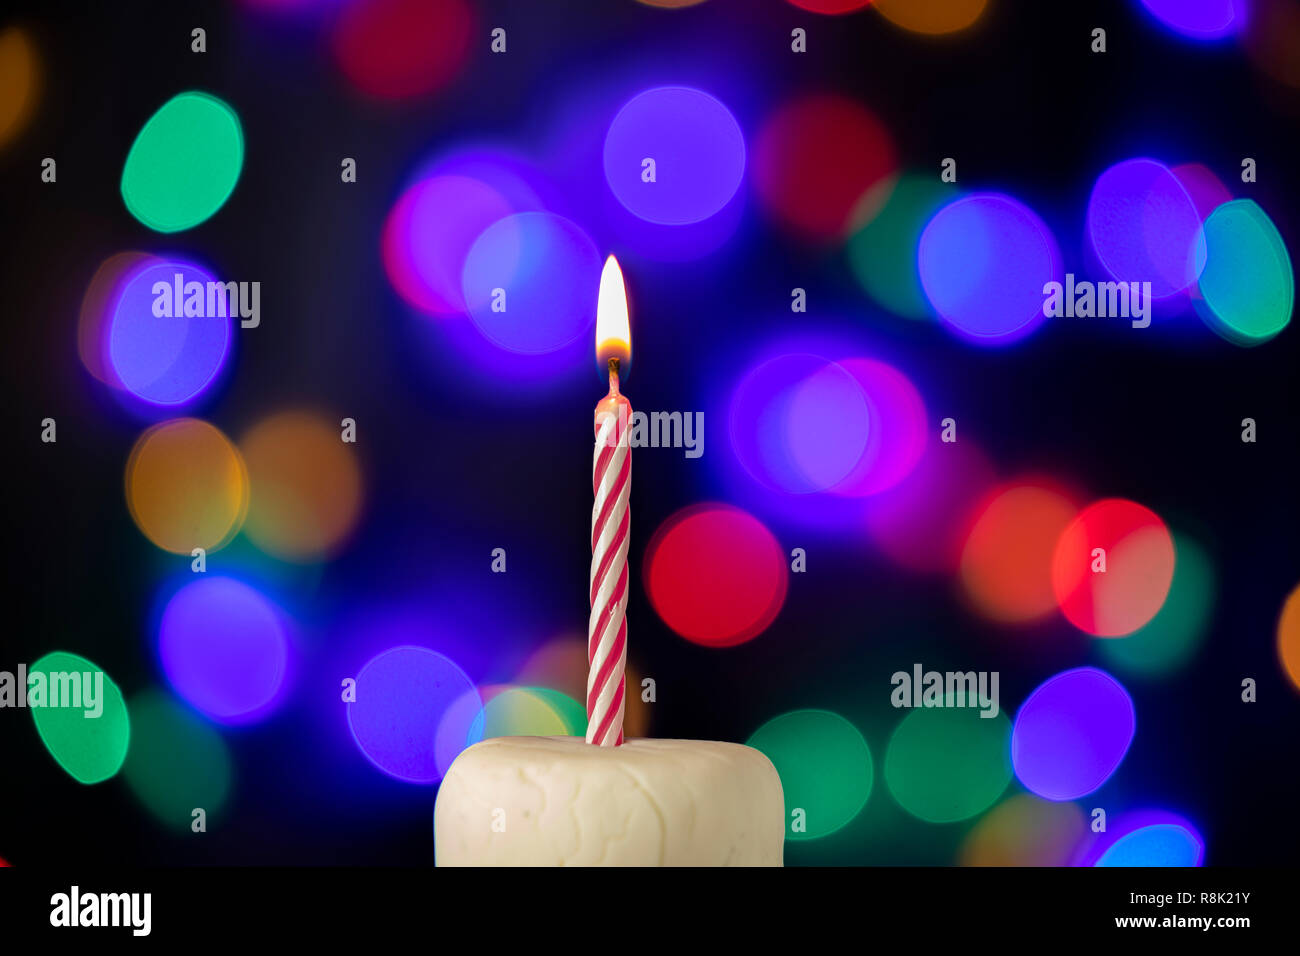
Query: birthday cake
x=559, y=801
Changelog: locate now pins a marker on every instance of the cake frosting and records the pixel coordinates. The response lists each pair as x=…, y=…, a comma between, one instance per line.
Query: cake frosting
x=559, y=801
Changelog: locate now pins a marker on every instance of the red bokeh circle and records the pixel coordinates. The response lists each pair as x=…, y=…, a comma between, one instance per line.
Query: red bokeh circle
x=715, y=575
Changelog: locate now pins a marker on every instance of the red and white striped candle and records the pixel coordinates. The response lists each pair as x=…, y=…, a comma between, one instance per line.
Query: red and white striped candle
x=611, y=481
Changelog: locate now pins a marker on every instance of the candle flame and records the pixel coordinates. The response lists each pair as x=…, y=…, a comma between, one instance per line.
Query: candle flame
x=613, y=331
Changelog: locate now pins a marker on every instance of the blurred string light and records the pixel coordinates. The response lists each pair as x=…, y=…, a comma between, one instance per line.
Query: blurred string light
x=715, y=575
x=799, y=423
x=224, y=649
x=89, y=747
x=817, y=158
x=825, y=768
x=802, y=424
x=983, y=261
x=688, y=142
x=399, y=720
x=1112, y=567
x=1146, y=837
x=97, y=305
x=896, y=433
x=882, y=251
x=1006, y=561
x=1024, y=830
x=305, y=486
x=945, y=764
x=163, y=360
x=186, y=486
x=447, y=203
x=920, y=523
x=931, y=16
x=1206, y=190
x=177, y=763
x=402, y=49
x=20, y=83
x=561, y=664
x=1144, y=226
x=1170, y=639
x=594, y=137
x=1272, y=36
x=510, y=711
x=1246, y=291
x=1288, y=637
x=1201, y=19
x=1072, y=733
x=831, y=6
x=530, y=282
x=184, y=163
x=428, y=234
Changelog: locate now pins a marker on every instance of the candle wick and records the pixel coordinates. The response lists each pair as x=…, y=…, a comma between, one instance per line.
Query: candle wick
x=613, y=375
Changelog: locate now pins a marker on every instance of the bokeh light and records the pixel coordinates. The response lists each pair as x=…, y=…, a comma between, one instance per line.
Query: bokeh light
x=1120, y=589
x=97, y=304
x=805, y=397
x=530, y=282
x=224, y=648
x=1288, y=637
x=825, y=768
x=20, y=82
x=800, y=424
x=186, y=486
x=528, y=712
x=1145, y=227
x=428, y=234
x=1024, y=830
x=816, y=158
x=920, y=524
x=184, y=163
x=1272, y=37
x=1173, y=636
x=945, y=764
x=1145, y=838
x=402, y=49
x=1200, y=19
x=1206, y=190
x=984, y=261
x=1247, y=289
x=169, y=359
x=304, y=486
x=177, y=763
x=1006, y=562
x=90, y=747
x=397, y=719
x=882, y=252
x=715, y=575
x=896, y=432
x=1072, y=733
x=830, y=6
x=697, y=149
x=561, y=665
x=931, y=16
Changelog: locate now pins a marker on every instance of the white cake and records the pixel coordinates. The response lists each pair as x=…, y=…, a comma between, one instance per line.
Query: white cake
x=559, y=801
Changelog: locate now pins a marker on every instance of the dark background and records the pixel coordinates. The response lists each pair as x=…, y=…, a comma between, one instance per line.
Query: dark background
x=457, y=465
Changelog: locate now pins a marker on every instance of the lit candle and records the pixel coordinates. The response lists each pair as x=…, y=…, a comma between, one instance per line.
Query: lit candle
x=559, y=801
x=611, y=481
